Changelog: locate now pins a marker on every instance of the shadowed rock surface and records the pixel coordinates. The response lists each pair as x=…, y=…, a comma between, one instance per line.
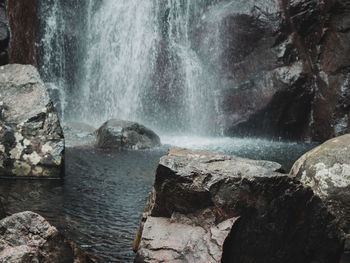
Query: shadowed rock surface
x=31, y=141
x=119, y=134
x=4, y=34
x=28, y=237
x=289, y=68
x=271, y=215
x=2, y=211
x=326, y=169
x=22, y=20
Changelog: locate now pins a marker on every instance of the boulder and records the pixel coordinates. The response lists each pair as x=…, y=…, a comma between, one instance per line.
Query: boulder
x=326, y=170
x=214, y=207
x=31, y=138
x=78, y=134
x=119, y=134
x=28, y=237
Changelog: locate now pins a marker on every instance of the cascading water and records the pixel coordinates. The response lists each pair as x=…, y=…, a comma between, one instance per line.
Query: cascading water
x=121, y=41
x=51, y=51
x=137, y=60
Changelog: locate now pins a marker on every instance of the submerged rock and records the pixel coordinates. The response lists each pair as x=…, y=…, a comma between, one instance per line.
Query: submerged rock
x=326, y=169
x=121, y=134
x=78, y=134
x=212, y=207
x=28, y=237
x=31, y=138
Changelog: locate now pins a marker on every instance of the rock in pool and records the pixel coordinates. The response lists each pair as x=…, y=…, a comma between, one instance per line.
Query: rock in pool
x=120, y=134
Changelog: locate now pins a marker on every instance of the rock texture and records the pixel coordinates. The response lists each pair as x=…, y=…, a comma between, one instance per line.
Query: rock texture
x=279, y=68
x=28, y=237
x=228, y=209
x=287, y=66
x=22, y=20
x=4, y=34
x=2, y=211
x=326, y=169
x=31, y=138
x=121, y=134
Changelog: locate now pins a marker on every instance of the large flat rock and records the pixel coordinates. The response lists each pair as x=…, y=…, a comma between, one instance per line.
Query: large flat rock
x=214, y=207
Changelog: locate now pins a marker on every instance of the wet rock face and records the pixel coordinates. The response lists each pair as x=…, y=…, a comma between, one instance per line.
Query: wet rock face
x=284, y=67
x=22, y=21
x=119, y=134
x=326, y=169
x=31, y=141
x=4, y=34
x=28, y=237
x=226, y=208
x=332, y=101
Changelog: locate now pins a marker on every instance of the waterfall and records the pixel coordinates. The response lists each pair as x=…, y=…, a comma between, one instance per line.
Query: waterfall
x=134, y=60
x=121, y=41
x=51, y=53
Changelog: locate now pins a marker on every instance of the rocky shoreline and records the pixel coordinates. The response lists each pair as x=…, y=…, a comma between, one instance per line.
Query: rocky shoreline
x=287, y=71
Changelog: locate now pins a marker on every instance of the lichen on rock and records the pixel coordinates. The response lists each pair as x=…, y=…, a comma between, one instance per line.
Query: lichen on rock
x=30, y=132
x=326, y=170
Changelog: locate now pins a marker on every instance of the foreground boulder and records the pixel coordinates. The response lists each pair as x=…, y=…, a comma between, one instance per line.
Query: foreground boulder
x=121, y=134
x=213, y=207
x=31, y=138
x=326, y=169
x=28, y=237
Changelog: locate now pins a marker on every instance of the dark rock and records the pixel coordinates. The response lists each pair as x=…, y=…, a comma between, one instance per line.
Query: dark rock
x=22, y=20
x=284, y=69
x=326, y=169
x=2, y=211
x=28, y=237
x=31, y=141
x=259, y=214
x=4, y=34
x=126, y=134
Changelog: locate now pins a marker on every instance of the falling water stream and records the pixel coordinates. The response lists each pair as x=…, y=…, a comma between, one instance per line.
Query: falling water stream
x=152, y=61
x=133, y=60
